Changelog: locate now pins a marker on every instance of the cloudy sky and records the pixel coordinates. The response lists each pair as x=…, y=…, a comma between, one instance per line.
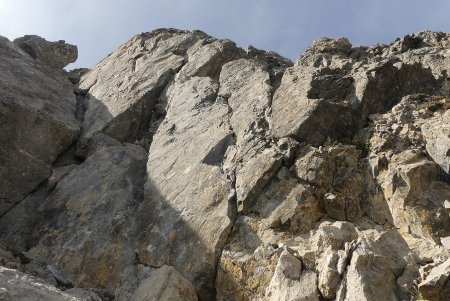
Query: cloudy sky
x=98, y=27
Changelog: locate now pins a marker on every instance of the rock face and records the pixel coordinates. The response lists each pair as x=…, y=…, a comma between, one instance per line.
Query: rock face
x=165, y=284
x=182, y=167
x=19, y=286
x=37, y=120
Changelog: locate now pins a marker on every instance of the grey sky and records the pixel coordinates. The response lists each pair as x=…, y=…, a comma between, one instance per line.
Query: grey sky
x=98, y=27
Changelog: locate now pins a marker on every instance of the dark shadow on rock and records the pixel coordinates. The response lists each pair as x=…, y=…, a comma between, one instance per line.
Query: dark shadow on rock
x=339, y=113
x=95, y=223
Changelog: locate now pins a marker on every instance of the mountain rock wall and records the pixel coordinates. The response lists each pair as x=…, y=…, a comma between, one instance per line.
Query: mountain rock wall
x=182, y=167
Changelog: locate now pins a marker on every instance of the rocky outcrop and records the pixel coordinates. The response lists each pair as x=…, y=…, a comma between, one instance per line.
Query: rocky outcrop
x=37, y=121
x=334, y=88
x=56, y=54
x=203, y=171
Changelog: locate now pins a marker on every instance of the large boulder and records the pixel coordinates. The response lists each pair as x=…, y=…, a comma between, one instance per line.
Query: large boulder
x=37, y=122
x=56, y=54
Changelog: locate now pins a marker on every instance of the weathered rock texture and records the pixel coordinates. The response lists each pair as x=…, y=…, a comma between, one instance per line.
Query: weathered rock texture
x=37, y=121
x=182, y=167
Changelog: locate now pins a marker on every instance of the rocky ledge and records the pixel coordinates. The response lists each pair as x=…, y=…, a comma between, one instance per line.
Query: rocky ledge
x=182, y=167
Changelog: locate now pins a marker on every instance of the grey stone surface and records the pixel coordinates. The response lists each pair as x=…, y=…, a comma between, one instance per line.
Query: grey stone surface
x=206, y=171
x=56, y=54
x=84, y=226
x=37, y=122
x=165, y=284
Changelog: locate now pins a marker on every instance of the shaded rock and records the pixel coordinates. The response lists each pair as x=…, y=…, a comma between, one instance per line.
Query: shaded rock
x=288, y=205
x=413, y=185
x=342, y=181
x=406, y=282
x=37, y=121
x=123, y=91
x=165, y=284
x=125, y=87
x=87, y=221
x=204, y=171
x=76, y=74
x=58, y=174
x=56, y=54
x=59, y=276
x=254, y=158
x=188, y=208
x=15, y=285
x=246, y=265
x=328, y=94
x=276, y=63
x=436, y=286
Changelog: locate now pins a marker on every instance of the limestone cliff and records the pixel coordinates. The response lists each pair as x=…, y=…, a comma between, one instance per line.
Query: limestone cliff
x=182, y=167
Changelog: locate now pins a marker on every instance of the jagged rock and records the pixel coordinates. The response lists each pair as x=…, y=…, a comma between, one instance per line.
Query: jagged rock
x=436, y=286
x=414, y=187
x=76, y=74
x=406, y=282
x=122, y=106
x=246, y=265
x=329, y=276
x=15, y=285
x=56, y=54
x=288, y=204
x=59, y=276
x=205, y=171
x=342, y=180
x=329, y=94
x=37, y=122
x=289, y=283
x=188, y=158
x=165, y=284
x=436, y=132
x=254, y=158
